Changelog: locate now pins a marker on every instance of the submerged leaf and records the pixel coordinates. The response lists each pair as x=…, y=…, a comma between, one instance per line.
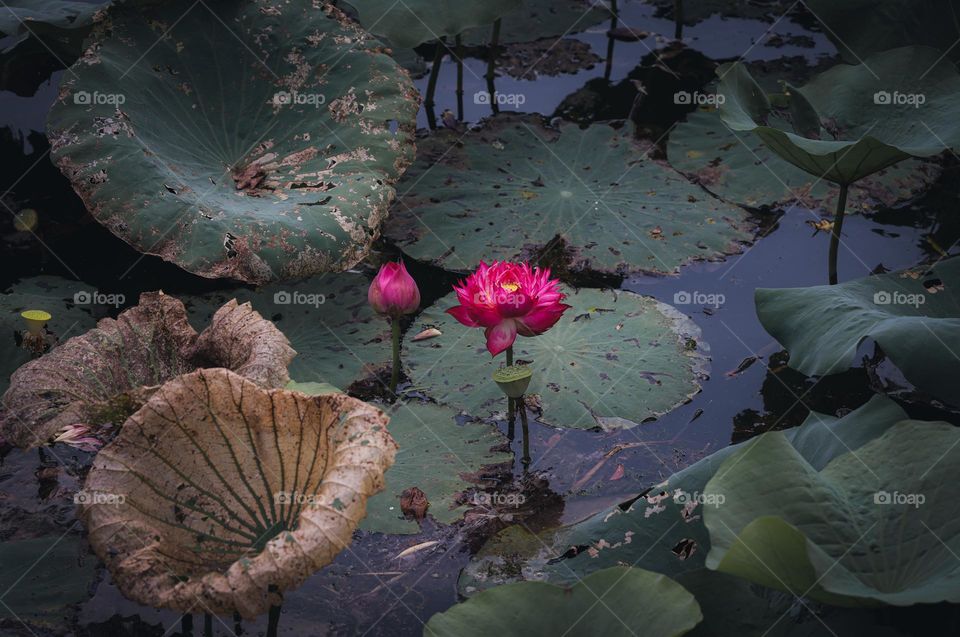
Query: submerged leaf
x=251, y=140
x=218, y=491
x=104, y=375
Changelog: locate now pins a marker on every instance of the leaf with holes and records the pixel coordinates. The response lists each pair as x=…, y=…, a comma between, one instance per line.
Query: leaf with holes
x=613, y=360
x=218, y=491
x=251, y=140
x=507, y=191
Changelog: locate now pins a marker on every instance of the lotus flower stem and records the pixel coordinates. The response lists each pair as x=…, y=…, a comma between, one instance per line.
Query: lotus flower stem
x=678, y=17
x=837, y=227
x=237, y=623
x=459, y=42
x=492, y=65
x=613, y=25
x=395, y=369
x=207, y=625
x=186, y=625
x=432, y=84
x=273, y=620
x=525, y=459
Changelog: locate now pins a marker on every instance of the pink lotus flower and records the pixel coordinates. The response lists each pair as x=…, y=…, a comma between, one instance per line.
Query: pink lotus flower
x=508, y=299
x=393, y=291
x=76, y=436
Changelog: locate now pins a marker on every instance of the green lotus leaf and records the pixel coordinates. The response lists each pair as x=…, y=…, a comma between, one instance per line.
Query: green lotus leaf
x=540, y=19
x=508, y=190
x=248, y=140
x=872, y=526
x=44, y=578
x=613, y=360
x=740, y=168
x=413, y=22
x=338, y=337
x=860, y=28
x=21, y=17
x=50, y=294
x=437, y=455
x=218, y=491
x=613, y=601
x=662, y=529
x=914, y=316
x=107, y=373
x=895, y=105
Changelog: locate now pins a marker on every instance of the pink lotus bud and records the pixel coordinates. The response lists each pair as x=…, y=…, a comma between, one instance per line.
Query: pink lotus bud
x=393, y=291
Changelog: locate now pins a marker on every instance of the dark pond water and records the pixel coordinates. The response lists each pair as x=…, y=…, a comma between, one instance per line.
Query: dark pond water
x=574, y=473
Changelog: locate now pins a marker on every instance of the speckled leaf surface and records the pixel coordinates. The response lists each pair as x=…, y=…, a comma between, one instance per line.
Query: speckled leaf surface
x=50, y=294
x=914, y=315
x=217, y=490
x=662, y=529
x=867, y=120
x=511, y=188
x=105, y=374
x=739, y=168
x=614, y=601
x=845, y=534
x=613, y=360
x=437, y=455
x=256, y=140
x=338, y=337
x=413, y=22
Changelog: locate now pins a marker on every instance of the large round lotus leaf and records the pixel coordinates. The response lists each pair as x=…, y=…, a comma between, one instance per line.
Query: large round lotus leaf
x=740, y=168
x=338, y=337
x=874, y=525
x=860, y=28
x=217, y=490
x=914, y=316
x=613, y=360
x=617, y=601
x=514, y=186
x=105, y=374
x=662, y=529
x=851, y=121
x=50, y=294
x=254, y=140
x=43, y=578
x=408, y=23
x=539, y=19
x=22, y=16
x=440, y=457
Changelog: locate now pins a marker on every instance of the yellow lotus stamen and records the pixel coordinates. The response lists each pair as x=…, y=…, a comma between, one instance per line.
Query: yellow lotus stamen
x=510, y=287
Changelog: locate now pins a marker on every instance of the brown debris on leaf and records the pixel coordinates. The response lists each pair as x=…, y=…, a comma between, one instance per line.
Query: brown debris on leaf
x=414, y=503
x=222, y=490
x=106, y=374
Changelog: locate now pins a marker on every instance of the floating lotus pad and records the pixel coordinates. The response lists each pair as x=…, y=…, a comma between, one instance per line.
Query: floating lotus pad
x=508, y=190
x=852, y=121
x=413, y=22
x=229, y=489
x=845, y=534
x=253, y=140
x=613, y=360
x=48, y=293
x=105, y=374
x=609, y=602
x=914, y=316
x=661, y=530
x=22, y=18
x=328, y=320
x=740, y=168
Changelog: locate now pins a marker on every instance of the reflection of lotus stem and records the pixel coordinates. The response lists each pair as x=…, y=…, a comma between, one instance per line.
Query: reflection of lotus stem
x=395, y=371
x=207, y=625
x=492, y=65
x=186, y=625
x=237, y=623
x=835, y=236
x=613, y=25
x=522, y=406
x=432, y=84
x=459, y=41
x=678, y=16
x=273, y=617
